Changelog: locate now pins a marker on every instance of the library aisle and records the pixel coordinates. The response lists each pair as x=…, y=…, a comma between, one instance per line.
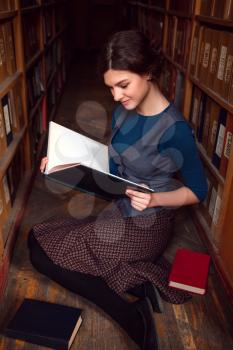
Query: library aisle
x=204, y=323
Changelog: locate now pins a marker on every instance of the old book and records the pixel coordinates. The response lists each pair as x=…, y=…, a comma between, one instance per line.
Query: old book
x=80, y=162
x=228, y=11
x=206, y=7
x=10, y=47
x=213, y=124
x=194, y=50
x=3, y=142
x=44, y=323
x=224, y=38
x=195, y=107
x=214, y=54
x=227, y=144
x=206, y=122
x=3, y=63
x=224, y=87
x=171, y=36
x=204, y=64
x=200, y=118
x=221, y=128
x=218, y=9
x=7, y=118
x=190, y=271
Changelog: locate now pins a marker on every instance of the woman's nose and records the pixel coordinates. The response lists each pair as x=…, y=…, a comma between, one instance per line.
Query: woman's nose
x=117, y=94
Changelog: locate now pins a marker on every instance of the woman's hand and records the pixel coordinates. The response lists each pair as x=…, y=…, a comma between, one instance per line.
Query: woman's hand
x=139, y=200
x=43, y=163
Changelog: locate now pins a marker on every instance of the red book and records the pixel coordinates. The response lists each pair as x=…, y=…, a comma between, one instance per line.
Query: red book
x=190, y=271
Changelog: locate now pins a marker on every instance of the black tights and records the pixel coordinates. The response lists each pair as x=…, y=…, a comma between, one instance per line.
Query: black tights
x=92, y=288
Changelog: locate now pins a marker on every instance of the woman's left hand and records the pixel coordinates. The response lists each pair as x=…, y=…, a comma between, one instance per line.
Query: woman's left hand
x=139, y=200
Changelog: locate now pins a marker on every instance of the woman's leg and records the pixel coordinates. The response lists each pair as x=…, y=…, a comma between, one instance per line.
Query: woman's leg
x=135, y=318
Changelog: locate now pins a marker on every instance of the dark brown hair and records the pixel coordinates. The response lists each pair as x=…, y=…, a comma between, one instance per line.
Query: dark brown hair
x=131, y=50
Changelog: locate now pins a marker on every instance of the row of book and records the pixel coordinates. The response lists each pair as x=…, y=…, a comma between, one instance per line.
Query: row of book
x=213, y=126
x=184, y=7
x=151, y=23
x=36, y=129
x=211, y=206
x=28, y=3
x=54, y=57
x=31, y=31
x=212, y=60
x=172, y=84
x=9, y=184
x=7, y=50
x=216, y=8
x=35, y=85
x=178, y=39
x=11, y=116
x=7, y=5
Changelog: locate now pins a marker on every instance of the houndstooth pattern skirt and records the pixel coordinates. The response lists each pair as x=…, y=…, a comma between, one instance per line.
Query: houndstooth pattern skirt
x=125, y=252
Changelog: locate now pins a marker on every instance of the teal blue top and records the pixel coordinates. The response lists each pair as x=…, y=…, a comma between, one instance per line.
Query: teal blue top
x=151, y=150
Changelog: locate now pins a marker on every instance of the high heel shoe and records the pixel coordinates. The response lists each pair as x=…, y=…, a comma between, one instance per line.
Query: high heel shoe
x=152, y=293
x=150, y=339
x=147, y=289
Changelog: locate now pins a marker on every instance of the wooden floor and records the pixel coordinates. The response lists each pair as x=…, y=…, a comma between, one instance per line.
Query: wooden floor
x=204, y=323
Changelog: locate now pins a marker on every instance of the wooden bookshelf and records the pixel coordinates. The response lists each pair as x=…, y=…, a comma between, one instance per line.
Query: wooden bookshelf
x=30, y=32
x=215, y=230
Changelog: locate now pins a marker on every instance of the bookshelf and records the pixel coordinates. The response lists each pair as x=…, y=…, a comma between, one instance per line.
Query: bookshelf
x=33, y=65
x=197, y=42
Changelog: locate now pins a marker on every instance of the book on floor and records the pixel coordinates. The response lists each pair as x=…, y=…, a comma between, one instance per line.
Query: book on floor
x=80, y=162
x=44, y=323
x=190, y=271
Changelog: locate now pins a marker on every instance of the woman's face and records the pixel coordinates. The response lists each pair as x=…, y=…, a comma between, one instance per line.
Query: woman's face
x=130, y=89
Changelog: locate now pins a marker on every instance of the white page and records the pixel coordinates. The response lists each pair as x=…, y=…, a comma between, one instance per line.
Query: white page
x=66, y=146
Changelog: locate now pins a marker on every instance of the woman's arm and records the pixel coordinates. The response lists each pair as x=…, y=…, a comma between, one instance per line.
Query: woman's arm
x=176, y=198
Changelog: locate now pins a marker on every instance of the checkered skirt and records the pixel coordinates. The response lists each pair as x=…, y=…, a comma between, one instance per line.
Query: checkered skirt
x=125, y=252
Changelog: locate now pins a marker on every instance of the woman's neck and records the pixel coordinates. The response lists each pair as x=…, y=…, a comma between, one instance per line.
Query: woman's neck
x=154, y=103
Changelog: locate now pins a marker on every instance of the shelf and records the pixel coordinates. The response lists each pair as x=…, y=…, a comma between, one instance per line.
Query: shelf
x=215, y=21
x=33, y=60
x=34, y=109
x=211, y=167
x=157, y=9
x=15, y=217
x=221, y=101
x=30, y=9
x=6, y=85
x=179, y=14
x=8, y=14
x=10, y=151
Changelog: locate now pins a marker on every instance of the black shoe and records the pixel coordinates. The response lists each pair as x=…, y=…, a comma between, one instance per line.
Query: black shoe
x=150, y=339
x=152, y=293
x=147, y=289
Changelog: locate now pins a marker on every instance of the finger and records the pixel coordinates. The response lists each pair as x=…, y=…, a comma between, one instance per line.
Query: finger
x=139, y=194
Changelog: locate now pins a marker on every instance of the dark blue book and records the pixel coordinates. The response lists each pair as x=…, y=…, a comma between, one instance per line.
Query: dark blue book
x=44, y=323
x=7, y=119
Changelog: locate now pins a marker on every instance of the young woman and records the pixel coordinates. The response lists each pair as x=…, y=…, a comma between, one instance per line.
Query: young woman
x=121, y=251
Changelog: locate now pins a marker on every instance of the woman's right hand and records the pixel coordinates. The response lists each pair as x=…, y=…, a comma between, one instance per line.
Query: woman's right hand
x=43, y=163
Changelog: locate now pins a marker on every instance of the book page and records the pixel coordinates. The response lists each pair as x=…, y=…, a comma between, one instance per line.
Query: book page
x=68, y=148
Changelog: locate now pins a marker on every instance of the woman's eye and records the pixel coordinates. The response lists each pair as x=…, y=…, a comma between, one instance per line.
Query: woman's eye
x=124, y=86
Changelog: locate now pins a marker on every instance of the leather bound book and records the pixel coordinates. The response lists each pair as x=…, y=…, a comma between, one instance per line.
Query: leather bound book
x=190, y=271
x=44, y=323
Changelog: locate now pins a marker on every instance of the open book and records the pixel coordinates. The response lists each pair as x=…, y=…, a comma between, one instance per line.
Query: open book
x=81, y=163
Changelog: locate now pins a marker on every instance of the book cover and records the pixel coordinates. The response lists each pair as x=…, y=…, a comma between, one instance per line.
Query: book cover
x=44, y=323
x=190, y=271
x=81, y=163
x=227, y=143
x=219, y=142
